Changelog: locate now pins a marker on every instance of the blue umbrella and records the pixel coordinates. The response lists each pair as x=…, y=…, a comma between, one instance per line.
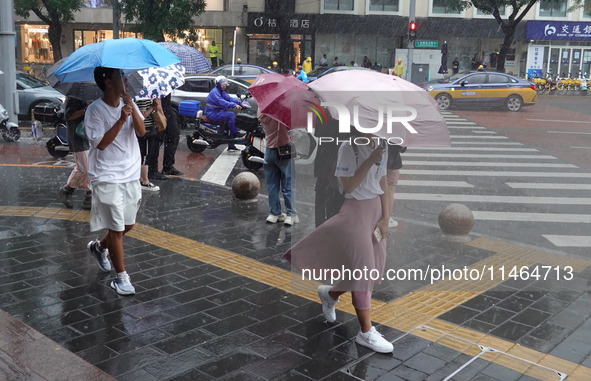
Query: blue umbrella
x=129, y=54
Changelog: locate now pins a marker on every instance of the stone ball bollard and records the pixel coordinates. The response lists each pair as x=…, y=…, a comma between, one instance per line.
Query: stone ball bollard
x=246, y=186
x=456, y=221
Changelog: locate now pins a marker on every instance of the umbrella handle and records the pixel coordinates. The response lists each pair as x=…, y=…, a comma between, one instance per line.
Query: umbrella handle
x=123, y=82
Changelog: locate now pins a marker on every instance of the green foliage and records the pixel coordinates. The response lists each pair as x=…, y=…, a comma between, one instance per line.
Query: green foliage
x=50, y=11
x=156, y=18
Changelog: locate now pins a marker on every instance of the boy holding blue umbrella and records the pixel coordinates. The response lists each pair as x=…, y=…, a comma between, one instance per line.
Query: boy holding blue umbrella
x=112, y=124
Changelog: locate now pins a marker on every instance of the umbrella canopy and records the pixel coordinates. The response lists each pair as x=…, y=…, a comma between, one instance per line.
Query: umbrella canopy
x=129, y=54
x=191, y=58
x=156, y=82
x=86, y=91
x=277, y=95
x=389, y=105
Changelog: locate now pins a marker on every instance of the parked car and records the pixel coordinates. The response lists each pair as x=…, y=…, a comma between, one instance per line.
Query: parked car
x=245, y=72
x=324, y=70
x=198, y=86
x=32, y=91
x=484, y=89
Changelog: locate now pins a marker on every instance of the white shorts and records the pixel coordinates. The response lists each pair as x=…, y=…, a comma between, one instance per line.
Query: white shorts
x=114, y=205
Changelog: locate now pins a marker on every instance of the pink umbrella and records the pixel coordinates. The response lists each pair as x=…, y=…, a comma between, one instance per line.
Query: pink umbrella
x=385, y=105
x=277, y=95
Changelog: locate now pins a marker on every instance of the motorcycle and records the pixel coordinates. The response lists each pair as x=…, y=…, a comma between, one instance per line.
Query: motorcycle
x=52, y=113
x=210, y=134
x=10, y=131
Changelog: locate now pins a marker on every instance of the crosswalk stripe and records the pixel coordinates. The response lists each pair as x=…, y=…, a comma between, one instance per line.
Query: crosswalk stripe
x=466, y=127
x=460, y=122
x=435, y=183
x=489, y=164
x=493, y=199
x=221, y=168
x=532, y=217
x=477, y=137
x=493, y=173
x=488, y=143
x=568, y=240
x=476, y=155
x=561, y=186
x=485, y=132
x=496, y=149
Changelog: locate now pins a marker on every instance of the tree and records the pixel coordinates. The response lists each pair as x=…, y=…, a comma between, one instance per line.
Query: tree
x=518, y=9
x=156, y=18
x=54, y=13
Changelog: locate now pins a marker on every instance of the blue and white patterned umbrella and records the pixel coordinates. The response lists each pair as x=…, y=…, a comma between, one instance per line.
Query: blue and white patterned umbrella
x=155, y=82
x=191, y=58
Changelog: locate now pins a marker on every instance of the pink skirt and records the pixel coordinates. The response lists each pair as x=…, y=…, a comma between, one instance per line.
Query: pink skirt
x=345, y=245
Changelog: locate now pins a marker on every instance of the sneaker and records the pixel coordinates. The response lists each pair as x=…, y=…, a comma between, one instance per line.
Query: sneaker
x=328, y=303
x=87, y=203
x=102, y=257
x=392, y=223
x=238, y=135
x=374, y=341
x=150, y=187
x=122, y=284
x=273, y=219
x=157, y=176
x=291, y=220
x=172, y=171
x=232, y=148
x=65, y=196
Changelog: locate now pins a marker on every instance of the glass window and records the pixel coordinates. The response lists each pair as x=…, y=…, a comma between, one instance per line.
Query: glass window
x=383, y=5
x=248, y=70
x=440, y=6
x=35, y=45
x=97, y=3
x=475, y=79
x=338, y=5
x=498, y=78
x=553, y=8
x=235, y=88
x=482, y=13
x=197, y=85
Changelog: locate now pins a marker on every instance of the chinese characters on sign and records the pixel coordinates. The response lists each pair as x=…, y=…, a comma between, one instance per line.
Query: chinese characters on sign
x=535, y=61
x=262, y=21
x=559, y=30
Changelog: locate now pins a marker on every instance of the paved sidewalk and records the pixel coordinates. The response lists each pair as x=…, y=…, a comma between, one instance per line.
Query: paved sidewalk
x=215, y=299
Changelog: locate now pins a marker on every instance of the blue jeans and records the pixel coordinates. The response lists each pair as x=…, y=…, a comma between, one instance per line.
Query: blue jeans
x=278, y=175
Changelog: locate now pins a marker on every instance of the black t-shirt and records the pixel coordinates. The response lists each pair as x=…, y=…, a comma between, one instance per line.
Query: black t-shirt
x=76, y=142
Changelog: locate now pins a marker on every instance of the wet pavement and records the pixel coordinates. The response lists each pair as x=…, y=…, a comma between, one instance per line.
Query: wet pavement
x=215, y=300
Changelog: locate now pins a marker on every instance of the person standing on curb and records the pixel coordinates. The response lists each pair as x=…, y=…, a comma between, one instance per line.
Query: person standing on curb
x=79, y=146
x=149, y=144
x=112, y=125
x=213, y=50
x=278, y=172
x=170, y=138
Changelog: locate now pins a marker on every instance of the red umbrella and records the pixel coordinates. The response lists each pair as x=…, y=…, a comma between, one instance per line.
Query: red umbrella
x=277, y=95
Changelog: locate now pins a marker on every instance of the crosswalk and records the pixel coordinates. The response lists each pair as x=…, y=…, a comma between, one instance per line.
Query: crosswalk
x=512, y=190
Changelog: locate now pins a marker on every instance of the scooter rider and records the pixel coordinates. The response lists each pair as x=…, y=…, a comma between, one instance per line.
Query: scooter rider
x=218, y=101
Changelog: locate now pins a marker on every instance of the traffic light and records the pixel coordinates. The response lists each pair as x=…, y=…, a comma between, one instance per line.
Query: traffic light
x=412, y=30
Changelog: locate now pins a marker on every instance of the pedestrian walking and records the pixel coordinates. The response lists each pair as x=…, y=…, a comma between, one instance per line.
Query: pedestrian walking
x=149, y=144
x=278, y=172
x=75, y=109
x=399, y=69
x=455, y=66
x=354, y=238
x=113, y=123
x=213, y=50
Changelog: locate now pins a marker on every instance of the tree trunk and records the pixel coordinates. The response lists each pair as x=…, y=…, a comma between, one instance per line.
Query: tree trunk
x=55, y=37
x=508, y=40
x=285, y=45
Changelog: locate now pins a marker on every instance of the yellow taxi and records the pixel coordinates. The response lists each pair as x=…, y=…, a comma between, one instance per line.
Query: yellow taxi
x=482, y=89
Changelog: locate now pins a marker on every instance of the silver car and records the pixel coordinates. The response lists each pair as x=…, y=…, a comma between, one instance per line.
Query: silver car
x=32, y=91
x=198, y=86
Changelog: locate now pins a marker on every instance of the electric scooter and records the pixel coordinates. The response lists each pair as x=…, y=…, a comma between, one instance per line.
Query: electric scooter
x=9, y=130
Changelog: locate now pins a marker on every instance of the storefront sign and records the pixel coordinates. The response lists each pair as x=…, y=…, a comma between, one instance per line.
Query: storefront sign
x=535, y=61
x=559, y=30
x=426, y=44
x=264, y=23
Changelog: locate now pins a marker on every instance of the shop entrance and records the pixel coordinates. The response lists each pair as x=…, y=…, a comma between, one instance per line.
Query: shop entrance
x=263, y=49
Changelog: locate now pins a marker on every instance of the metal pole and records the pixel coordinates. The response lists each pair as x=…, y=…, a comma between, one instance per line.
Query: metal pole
x=233, y=52
x=411, y=18
x=116, y=20
x=8, y=94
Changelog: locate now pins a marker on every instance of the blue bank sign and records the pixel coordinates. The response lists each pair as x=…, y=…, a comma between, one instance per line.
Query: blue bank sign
x=559, y=30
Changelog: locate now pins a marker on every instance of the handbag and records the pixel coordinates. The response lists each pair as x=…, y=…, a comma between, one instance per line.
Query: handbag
x=160, y=121
x=287, y=151
x=81, y=130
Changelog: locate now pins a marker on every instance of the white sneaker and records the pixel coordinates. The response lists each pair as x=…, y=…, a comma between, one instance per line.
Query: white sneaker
x=291, y=220
x=122, y=284
x=392, y=223
x=374, y=341
x=328, y=303
x=150, y=187
x=273, y=219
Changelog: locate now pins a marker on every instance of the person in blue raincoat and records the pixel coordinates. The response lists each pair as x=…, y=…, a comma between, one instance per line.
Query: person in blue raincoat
x=218, y=101
x=302, y=76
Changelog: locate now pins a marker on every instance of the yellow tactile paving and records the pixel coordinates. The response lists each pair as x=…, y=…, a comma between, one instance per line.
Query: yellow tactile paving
x=406, y=313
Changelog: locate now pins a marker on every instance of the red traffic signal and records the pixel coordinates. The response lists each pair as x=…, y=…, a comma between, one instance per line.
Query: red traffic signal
x=412, y=30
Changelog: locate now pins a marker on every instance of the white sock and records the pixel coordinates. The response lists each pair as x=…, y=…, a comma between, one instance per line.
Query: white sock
x=122, y=274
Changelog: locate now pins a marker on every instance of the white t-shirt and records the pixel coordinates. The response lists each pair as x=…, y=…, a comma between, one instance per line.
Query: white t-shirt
x=347, y=165
x=120, y=161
